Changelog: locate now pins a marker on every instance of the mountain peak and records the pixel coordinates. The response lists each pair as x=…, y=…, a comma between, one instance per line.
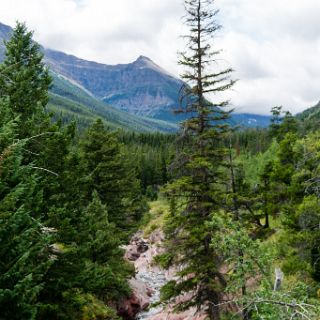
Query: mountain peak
x=143, y=59
x=144, y=62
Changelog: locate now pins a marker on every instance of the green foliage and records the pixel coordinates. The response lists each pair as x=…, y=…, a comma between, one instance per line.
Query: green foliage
x=93, y=176
x=298, y=303
x=102, y=247
x=111, y=175
x=64, y=204
x=25, y=80
x=25, y=246
x=150, y=154
x=280, y=126
x=199, y=165
x=164, y=261
x=245, y=256
x=250, y=141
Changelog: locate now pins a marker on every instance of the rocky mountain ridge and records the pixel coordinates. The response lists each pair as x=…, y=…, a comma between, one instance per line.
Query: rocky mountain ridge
x=72, y=101
x=141, y=88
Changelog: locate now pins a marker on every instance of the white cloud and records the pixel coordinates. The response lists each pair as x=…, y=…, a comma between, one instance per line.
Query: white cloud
x=273, y=46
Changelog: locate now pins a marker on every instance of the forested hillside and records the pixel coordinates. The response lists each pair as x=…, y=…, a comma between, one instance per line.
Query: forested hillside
x=67, y=202
x=72, y=102
x=92, y=211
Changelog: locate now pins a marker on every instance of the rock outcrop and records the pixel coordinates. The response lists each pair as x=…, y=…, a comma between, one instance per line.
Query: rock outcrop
x=138, y=301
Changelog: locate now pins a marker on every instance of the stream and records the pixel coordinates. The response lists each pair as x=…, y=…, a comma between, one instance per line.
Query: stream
x=154, y=280
x=149, y=279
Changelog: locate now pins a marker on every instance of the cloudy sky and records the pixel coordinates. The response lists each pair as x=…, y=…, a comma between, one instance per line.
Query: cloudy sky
x=274, y=46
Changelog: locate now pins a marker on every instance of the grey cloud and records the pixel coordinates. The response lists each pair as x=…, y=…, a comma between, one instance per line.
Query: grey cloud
x=273, y=46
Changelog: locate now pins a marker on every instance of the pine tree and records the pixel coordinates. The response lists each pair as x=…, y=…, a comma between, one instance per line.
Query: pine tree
x=25, y=252
x=26, y=243
x=281, y=125
x=59, y=252
x=108, y=173
x=200, y=162
x=24, y=80
x=106, y=272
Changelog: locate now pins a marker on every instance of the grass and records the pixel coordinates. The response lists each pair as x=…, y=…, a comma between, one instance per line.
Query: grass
x=155, y=218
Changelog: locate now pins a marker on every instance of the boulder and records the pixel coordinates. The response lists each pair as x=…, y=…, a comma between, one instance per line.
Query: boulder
x=138, y=301
x=142, y=246
x=132, y=253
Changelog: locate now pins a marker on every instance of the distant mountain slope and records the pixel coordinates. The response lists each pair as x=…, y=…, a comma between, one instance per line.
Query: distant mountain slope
x=71, y=101
x=310, y=117
x=249, y=120
x=141, y=88
x=310, y=112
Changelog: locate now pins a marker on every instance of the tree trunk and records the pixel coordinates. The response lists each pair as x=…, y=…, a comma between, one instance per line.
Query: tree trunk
x=266, y=225
x=214, y=309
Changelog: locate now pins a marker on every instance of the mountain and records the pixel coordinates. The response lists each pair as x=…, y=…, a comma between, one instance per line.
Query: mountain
x=249, y=120
x=141, y=87
x=312, y=112
x=70, y=100
x=141, y=93
x=310, y=117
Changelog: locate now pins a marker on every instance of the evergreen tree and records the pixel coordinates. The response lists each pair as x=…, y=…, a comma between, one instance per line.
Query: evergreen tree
x=26, y=243
x=60, y=255
x=281, y=125
x=200, y=163
x=109, y=173
x=106, y=272
x=25, y=252
x=24, y=80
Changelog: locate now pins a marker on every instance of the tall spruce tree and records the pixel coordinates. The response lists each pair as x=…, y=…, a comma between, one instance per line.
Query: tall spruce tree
x=25, y=80
x=25, y=244
x=198, y=192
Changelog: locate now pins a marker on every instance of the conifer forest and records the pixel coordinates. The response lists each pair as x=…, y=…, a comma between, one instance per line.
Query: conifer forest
x=108, y=216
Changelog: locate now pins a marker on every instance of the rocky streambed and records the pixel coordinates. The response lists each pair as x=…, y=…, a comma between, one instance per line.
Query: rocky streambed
x=148, y=281
x=154, y=280
x=149, y=278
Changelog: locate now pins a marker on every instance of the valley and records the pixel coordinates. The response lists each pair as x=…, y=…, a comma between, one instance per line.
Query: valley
x=127, y=194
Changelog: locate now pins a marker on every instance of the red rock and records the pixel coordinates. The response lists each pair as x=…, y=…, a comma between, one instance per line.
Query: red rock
x=150, y=292
x=132, y=253
x=138, y=301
